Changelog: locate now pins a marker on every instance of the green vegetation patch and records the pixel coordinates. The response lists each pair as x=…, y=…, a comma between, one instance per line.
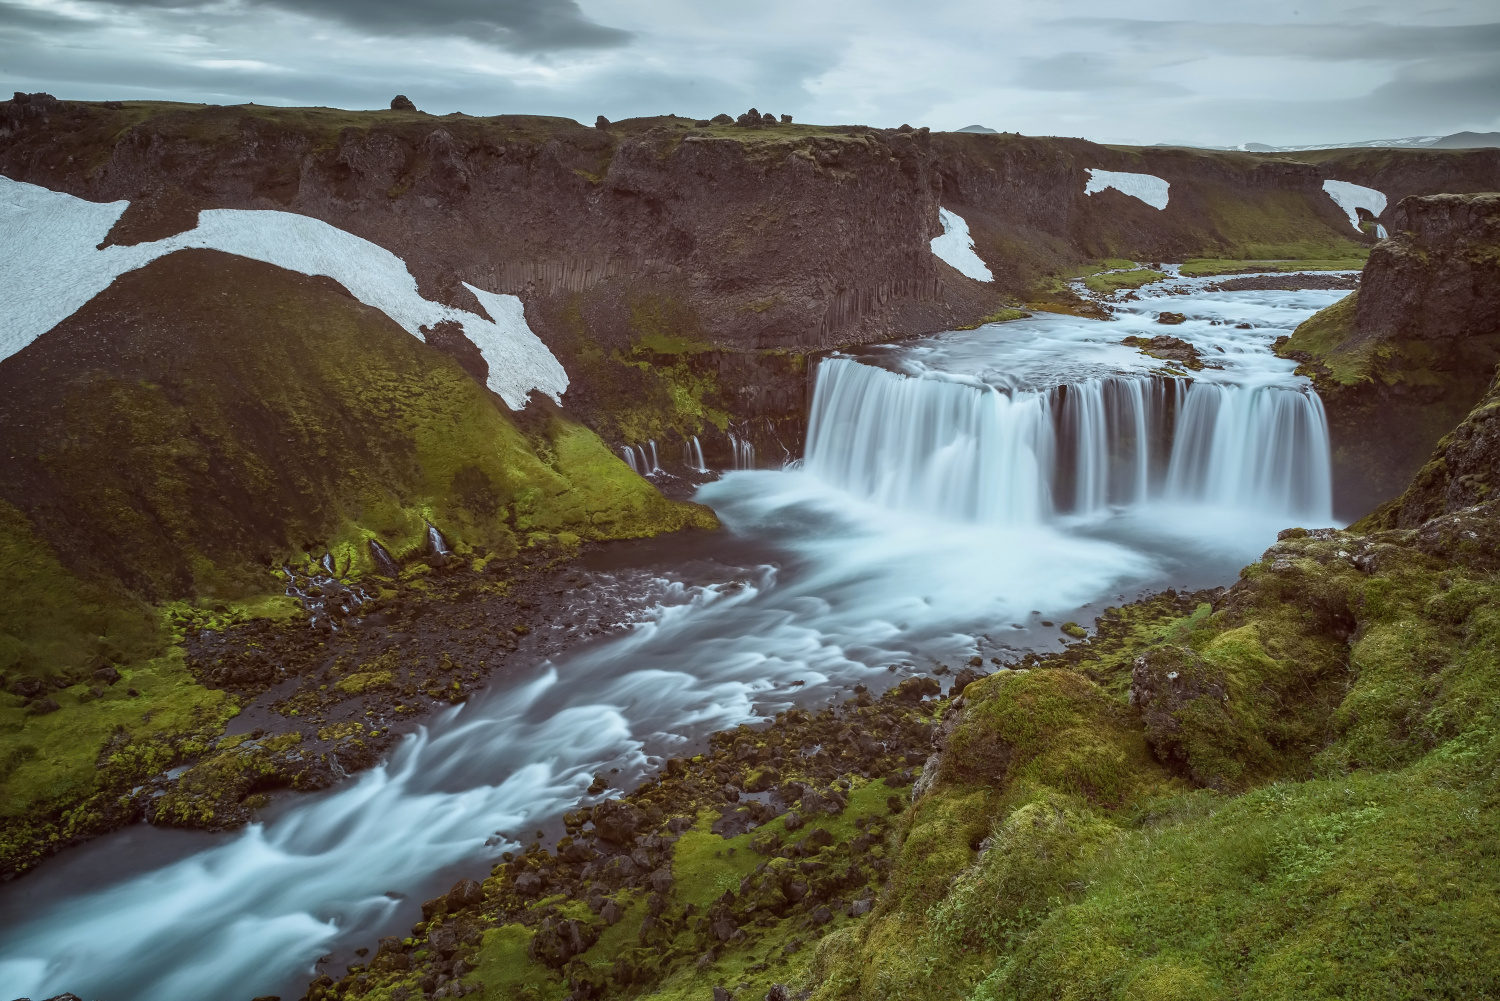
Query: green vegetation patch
x=1109, y=282
x=1200, y=267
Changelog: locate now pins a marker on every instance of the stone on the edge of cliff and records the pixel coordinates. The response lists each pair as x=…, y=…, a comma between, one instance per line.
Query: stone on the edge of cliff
x=1171, y=319
x=721, y=119
x=465, y=893
x=616, y=821
x=778, y=992
x=965, y=677
x=768, y=118
x=751, y=117
x=601, y=122
x=402, y=103
x=786, y=119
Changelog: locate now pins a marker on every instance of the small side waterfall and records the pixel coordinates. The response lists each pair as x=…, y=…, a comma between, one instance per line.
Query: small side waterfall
x=974, y=453
x=692, y=454
x=437, y=542
x=741, y=452
x=641, y=458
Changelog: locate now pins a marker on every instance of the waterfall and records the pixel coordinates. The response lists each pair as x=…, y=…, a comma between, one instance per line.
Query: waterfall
x=1262, y=447
x=641, y=458
x=384, y=560
x=692, y=454
x=971, y=452
x=436, y=540
x=741, y=452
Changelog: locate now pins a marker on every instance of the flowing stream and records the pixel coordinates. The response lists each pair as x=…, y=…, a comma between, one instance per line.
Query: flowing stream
x=957, y=491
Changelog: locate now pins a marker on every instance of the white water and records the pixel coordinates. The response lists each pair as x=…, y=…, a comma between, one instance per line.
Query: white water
x=900, y=542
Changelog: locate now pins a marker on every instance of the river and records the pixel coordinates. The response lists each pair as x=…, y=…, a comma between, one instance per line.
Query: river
x=958, y=492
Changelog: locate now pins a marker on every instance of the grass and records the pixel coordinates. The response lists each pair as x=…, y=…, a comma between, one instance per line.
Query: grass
x=1110, y=282
x=1199, y=267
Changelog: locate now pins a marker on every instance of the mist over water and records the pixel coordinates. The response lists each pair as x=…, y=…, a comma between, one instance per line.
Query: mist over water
x=956, y=491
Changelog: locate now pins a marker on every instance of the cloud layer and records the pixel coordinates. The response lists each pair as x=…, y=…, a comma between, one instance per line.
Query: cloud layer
x=1280, y=71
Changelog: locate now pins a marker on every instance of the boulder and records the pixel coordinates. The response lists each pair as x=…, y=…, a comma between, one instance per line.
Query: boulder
x=42, y=707
x=107, y=674
x=465, y=893
x=617, y=821
x=528, y=884
x=1171, y=319
x=402, y=103
x=601, y=122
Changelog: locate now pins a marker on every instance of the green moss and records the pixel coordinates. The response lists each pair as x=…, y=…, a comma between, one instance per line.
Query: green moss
x=1199, y=267
x=1327, y=339
x=1112, y=281
x=507, y=971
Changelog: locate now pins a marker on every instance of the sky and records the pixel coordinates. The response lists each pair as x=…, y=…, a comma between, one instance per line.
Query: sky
x=1205, y=72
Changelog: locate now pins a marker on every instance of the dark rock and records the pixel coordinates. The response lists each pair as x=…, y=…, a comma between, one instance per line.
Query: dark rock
x=1181, y=698
x=965, y=677
x=1168, y=348
x=465, y=893
x=617, y=821
x=723, y=927
x=821, y=916
x=601, y=122
x=107, y=674
x=443, y=940
x=722, y=994
x=402, y=103
x=786, y=119
x=661, y=880
x=611, y=912
x=792, y=820
x=860, y=908
x=528, y=884
x=1171, y=319
x=42, y=707
x=916, y=689
x=432, y=908
x=28, y=687
x=778, y=992
x=722, y=119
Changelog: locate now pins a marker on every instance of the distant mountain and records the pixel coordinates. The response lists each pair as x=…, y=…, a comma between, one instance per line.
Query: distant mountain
x=977, y=128
x=1468, y=140
x=1458, y=140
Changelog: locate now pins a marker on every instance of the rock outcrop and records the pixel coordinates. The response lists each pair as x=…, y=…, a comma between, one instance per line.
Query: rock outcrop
x=1401, y=361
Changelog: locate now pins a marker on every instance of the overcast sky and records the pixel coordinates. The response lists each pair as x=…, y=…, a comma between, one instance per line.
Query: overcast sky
x=1216, y=73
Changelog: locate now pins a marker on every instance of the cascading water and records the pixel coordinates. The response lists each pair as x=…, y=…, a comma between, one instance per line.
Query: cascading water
x=741, y=451
x=974, y=452
x=971, y=479
x=692, y=454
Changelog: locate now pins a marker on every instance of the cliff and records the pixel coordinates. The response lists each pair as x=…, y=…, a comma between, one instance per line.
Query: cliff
x=1399, y=362
x=676, y=270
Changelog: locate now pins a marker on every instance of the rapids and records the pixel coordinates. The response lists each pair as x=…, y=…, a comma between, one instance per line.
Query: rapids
x=956, y=492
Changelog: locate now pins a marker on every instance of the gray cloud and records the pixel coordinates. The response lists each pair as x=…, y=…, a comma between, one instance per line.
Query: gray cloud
x=518, y=25
x=1092, y=71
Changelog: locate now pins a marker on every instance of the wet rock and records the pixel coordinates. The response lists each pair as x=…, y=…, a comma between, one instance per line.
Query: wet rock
x=965, y=677
x=465, y=893
x=528, y=884
x=1170, y=319
x=1169, y=348
x=617, y=821
x=402, y=103
x=916, y=689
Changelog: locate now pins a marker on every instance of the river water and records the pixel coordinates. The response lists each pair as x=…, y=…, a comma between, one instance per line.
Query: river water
x=958, y=491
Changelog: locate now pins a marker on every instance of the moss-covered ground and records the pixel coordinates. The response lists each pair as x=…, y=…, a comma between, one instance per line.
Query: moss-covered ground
x=1199, y=267
x=203, y=422
x=1109, y=282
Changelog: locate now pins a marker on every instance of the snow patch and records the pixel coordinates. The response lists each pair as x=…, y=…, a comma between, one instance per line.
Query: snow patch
x=956, y=247
x=51, y=264
x=1355, y=196
x=1147, y=187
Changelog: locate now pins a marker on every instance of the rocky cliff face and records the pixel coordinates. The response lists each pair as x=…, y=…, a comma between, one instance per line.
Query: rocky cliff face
x=674, y=268
x=1401, y=361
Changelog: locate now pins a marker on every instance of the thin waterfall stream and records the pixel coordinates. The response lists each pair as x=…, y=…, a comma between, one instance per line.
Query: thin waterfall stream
x=957, y=493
